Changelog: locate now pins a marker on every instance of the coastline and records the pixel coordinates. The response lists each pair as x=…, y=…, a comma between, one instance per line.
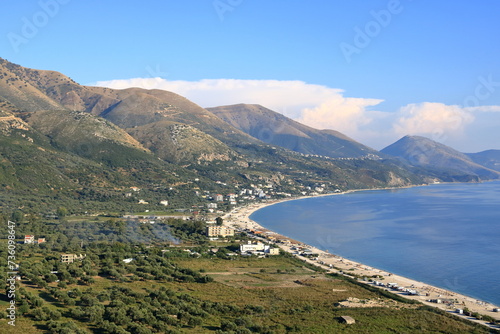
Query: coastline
x=449, y=301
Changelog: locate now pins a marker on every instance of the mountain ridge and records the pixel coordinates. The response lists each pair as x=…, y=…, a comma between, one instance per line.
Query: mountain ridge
x=277, y=129
x=424, y=152
x=162, y=142
x=488, y=158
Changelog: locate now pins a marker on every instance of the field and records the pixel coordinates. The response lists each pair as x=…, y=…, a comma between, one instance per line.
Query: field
x=247, y=295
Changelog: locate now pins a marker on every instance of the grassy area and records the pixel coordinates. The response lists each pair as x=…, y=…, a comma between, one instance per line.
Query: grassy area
x=247, y=295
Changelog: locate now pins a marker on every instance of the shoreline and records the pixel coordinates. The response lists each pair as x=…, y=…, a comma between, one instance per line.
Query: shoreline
x=449, y=301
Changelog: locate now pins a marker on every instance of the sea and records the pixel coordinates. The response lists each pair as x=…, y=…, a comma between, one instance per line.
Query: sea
x=446, y=235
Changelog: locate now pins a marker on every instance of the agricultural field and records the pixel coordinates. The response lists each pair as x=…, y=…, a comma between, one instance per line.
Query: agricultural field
x=180, y=290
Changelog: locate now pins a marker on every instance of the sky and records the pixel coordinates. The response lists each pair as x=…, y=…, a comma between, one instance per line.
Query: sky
x=374, y=70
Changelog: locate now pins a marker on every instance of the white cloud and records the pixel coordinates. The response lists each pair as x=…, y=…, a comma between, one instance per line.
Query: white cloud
x=432, y=120
x=483, y=109
x=338, y=112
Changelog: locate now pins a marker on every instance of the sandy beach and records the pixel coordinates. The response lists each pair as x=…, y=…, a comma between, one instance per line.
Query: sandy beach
x=446, y=300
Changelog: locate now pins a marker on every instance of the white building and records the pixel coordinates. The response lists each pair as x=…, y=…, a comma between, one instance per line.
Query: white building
x=70, y=258
x=258, y=247
x=253, y=247
x=29, y=239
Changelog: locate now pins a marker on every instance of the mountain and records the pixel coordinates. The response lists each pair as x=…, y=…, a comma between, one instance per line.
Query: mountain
x=277, y=129
x=95, y=143
x=440, y=160
x=18, y=92
x=151, y=115
x=489, y=158
x=86, y=135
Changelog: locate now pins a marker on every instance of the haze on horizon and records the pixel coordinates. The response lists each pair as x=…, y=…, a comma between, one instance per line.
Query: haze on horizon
x=375, y=71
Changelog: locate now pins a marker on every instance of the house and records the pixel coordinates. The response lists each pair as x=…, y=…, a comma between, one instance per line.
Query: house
x=274, y=251
x=141, y=201
x=345, y=319
x=164, y=202
x=219, y=231
x=29, y=239
x=219, y=198
x=128, y=260
x=212, y=205
x=70, y=258
x=41, y=240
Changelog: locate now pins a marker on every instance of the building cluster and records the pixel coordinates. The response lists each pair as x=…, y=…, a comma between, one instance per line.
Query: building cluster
x=240, y=194
x=251, y=193
x=30, y=239
x=395, y=287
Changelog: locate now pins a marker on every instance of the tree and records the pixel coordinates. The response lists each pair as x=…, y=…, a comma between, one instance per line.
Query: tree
x=194, y=321
x=62, y=212
x=18, y=216
x=95, y=313
x=39, y=315
x=219, y=221
x=227, y=325
x=88, y=300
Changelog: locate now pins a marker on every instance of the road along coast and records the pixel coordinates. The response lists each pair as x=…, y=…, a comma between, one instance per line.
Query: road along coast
x=446, y=300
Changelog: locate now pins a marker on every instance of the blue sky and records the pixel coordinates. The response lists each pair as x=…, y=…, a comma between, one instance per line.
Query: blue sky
x=375, y=70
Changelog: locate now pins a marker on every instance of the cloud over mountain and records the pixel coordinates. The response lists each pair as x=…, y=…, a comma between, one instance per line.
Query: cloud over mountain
x=328, y=108
x=314, y=105
x=432, y=119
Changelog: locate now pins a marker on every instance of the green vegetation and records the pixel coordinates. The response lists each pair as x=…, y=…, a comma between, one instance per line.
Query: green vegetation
x=188, y=285
x=68, y=176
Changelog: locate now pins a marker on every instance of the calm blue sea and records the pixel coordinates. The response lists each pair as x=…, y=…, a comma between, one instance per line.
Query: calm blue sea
x=447, y=235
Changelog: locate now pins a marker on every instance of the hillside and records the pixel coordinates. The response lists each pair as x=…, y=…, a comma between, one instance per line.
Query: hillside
x=86, y=135
x=277, y=129
x=39, y=173
x=18, y=92
x=163, y=142
x=445, y=162
x=489, y=158
x=189, y=287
